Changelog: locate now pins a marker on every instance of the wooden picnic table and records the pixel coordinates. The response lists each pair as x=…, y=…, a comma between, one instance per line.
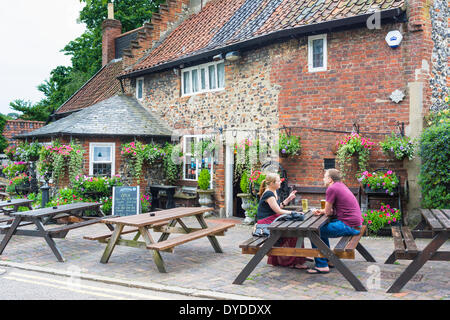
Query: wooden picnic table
x=22, y=202
x=161, y=221
x=39, y=218
x=310, y=228
x=406, y=249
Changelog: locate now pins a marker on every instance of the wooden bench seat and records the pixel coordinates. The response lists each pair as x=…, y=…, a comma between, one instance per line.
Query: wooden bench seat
x=126, y=230
x=6, y=219
x=344, y=249
x=72, y=226
x=405, y=246
x=168, y=245
x=4, y=228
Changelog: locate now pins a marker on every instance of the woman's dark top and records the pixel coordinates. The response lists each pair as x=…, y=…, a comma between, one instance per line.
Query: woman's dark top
x=264, y=209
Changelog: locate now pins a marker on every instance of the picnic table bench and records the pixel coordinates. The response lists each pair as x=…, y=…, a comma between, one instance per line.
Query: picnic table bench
x=406, y=248
x=310, y=228
x=16, y=203
x=163, y=221
x=39, y=217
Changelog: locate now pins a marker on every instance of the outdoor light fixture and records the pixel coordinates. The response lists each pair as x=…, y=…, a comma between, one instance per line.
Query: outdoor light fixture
x=218, y=57
x=232, y=56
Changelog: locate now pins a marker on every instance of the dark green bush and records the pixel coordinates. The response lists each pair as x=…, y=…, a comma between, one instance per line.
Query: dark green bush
x=434, y=177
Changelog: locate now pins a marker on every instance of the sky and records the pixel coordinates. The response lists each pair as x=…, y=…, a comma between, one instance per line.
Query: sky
x=32, y=34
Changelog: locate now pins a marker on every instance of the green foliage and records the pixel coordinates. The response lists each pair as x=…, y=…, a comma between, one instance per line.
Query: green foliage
x=251, y=212
x=28, y=151
x=398, y=147
x=377, y=219
x=19, y=179
x=353, y=145
x=172, y=163
x=14, y=168
x=55, y=158
x=244, y=183
x=102, y=186
x=204, y=179
x=136, y=153
x=439, y=117
x=3, y=141
x=289, y=145
x=434, y=177
x=29, y=111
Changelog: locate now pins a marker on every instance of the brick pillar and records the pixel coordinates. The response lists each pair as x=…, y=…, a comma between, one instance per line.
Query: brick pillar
x=111, y=29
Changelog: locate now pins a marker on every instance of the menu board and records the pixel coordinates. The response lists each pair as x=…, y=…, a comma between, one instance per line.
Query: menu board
x=125, y=201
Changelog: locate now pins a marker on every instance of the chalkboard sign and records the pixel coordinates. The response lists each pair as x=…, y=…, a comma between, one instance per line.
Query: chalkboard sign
x=125, y=201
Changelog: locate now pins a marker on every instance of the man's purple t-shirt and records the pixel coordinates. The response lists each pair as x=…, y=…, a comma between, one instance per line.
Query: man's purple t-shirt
x=345, y=205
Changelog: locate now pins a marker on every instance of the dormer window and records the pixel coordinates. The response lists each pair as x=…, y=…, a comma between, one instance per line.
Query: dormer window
x=203, y=78
x=139, y=88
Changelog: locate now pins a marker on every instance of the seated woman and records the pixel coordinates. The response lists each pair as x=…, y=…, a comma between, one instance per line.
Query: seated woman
x=268, y=210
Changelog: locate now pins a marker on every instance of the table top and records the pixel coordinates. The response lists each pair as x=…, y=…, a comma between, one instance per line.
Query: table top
x=44, y=212
x=310, y=223
x=438, y=219
x=15, y=202
x=142, y=220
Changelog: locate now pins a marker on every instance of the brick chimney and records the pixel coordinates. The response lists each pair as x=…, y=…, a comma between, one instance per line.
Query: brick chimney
x=111, y=29
x=418, y=14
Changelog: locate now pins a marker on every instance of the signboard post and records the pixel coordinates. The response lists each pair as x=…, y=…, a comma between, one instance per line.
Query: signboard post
x=125, y=201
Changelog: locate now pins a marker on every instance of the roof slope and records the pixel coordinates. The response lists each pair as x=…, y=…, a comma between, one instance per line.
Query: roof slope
x=119, y=115
x=224, y=22
x=101, y=86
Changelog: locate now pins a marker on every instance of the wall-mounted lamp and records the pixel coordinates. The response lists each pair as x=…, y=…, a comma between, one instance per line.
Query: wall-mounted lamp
x=232, y=56
x=176, y=71
x=218, y=57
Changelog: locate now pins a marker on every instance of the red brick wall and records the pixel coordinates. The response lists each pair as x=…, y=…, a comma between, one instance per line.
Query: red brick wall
x=15, y=127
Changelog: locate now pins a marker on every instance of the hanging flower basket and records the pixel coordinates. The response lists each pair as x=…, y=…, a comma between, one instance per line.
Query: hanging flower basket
x=289, y=146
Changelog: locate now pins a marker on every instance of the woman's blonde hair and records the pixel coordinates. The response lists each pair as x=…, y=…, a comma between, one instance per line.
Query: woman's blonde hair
x=271, y=177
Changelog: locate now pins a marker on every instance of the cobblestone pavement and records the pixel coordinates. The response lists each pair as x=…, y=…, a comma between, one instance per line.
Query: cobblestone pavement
x=195, y=265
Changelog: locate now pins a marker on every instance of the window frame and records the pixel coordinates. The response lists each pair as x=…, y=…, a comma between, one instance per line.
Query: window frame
x=92, y=145
x=137, y=89
x=199, y=68
x=311, y=51
x=186, y=153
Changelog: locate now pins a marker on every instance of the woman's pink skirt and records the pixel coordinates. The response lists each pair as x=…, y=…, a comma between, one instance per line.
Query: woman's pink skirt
x=285, y=242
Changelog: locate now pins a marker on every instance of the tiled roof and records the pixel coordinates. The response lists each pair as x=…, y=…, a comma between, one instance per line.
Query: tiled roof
x=119, y=115
x=224, y=22
x=101, y=86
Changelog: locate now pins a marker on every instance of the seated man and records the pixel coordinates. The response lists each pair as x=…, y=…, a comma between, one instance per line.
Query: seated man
x=342, y=204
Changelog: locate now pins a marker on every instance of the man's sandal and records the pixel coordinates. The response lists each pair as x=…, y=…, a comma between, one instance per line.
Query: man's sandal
x=317, y=271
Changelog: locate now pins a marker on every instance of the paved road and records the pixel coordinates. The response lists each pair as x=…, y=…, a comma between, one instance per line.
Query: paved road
x=19, y=284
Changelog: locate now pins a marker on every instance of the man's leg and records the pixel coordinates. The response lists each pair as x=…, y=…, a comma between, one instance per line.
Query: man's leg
x=334, y=229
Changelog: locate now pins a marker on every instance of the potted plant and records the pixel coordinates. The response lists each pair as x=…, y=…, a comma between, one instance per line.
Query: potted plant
x=378, y=220
x=246, y=197
x=352, y=146
x=204, y=192
x=398, y=147
x=379, y=182
x=289, y=145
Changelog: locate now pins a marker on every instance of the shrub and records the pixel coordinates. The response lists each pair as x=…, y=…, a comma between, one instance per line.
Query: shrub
x=21, y=178
x=244, y=182
x=434, y=177
x=204, y=179
x=377, y=219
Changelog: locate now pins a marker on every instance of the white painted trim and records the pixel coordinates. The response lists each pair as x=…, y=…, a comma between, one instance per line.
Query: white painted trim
x=91, y=156
x=197, y=162
x=143, y=85
x=199, y=67
x=310, y=53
